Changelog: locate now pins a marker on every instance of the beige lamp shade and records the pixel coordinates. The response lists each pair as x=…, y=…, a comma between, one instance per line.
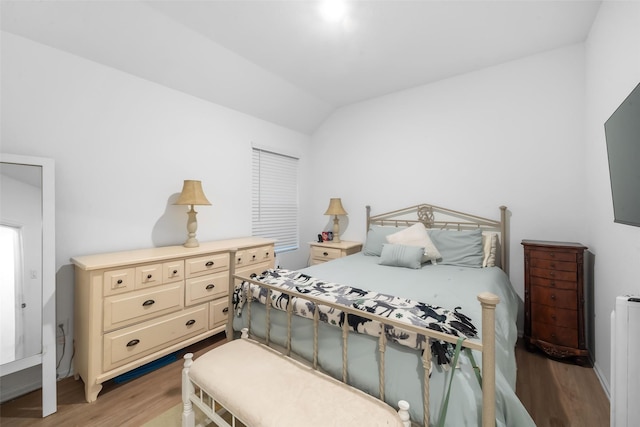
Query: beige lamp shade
x=192, y=194
x=335, y=207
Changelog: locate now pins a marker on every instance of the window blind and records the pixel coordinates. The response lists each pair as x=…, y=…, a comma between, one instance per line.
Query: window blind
x=274, y=207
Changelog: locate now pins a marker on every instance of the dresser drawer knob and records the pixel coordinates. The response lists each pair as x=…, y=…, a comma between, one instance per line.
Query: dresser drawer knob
x=225, y=310
x=148, y=303
x=552, y=283
x=325, y=253
x=175, y=271
x=132, y=343
x=553, y=297
x=190, y=322
x=552, y=273
x=119, y=282
x=210, y=286
x=267, y=254
x=239, y=260
x=209, y=264
x=149, y=276
x=553, y=265
x=552, y=255
x=253, y=257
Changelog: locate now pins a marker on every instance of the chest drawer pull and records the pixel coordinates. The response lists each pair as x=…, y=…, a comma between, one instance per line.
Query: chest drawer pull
x=253, y=257
x=225, y=310
x=210, y=286
x=209, y=263
x=325, y=253
x=190, y=322
x=553, y=297
x=149, y=276
x=133, y=342
x=148, y=303
x=119, y=281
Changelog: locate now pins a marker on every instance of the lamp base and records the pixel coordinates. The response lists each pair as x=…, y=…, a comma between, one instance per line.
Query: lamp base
x=336, y=229
x=191, y=243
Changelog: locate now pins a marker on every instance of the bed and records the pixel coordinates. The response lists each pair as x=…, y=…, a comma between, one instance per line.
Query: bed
x=449, y=272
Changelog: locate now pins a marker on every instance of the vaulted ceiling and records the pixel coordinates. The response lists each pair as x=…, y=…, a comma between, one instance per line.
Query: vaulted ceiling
x=282, y=62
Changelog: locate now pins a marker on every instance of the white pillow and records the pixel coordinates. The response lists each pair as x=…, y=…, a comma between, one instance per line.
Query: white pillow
x=489, y=249
x=416, y=235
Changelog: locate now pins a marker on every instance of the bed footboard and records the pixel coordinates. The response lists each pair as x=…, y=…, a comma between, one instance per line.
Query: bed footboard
x=488, y=303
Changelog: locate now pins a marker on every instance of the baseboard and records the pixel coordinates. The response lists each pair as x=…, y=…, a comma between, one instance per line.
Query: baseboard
x=13, y=392
x=602, y=379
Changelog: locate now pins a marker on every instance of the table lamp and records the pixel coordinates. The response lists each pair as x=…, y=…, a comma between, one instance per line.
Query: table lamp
x=335, y=208
x=192, y=194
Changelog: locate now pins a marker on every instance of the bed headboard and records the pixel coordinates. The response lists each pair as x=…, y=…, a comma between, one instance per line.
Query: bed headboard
x=442, y=218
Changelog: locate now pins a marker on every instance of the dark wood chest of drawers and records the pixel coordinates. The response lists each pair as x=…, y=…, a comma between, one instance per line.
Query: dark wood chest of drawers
x=555, y=299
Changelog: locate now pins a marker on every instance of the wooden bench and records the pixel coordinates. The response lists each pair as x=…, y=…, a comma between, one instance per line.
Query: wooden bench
x=260, y=387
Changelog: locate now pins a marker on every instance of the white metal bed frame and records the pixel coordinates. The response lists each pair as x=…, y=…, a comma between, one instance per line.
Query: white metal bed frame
x=432, y=217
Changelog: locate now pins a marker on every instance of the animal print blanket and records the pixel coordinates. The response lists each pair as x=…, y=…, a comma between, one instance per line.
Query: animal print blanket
x=403, y=310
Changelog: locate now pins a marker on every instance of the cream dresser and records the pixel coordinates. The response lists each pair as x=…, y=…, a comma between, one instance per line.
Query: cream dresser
x=136, y=306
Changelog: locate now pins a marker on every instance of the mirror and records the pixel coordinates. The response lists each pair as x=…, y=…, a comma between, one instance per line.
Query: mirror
x=27, y=270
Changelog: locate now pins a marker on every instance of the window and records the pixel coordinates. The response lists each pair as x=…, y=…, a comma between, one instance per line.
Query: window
x=274, y=206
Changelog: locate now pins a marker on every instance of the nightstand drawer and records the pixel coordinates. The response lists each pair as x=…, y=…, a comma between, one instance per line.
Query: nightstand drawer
x=555, y=334
x=555, y=316
x=207, y=264
x=325, y=253
x=126, y=309
x=558, y=298
x=132, y=343
x=206, y=288
x=569, y=276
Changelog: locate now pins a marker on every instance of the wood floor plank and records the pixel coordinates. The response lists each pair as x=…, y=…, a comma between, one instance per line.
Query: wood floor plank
x=556, y=394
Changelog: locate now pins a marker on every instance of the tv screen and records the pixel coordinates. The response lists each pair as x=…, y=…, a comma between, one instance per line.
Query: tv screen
x=622, y=132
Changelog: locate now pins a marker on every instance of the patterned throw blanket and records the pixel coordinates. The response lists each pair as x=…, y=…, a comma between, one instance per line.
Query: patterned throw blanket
x=403, y=310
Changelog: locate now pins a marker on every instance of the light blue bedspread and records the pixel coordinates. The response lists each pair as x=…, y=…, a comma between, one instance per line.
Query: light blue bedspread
x=442, y=285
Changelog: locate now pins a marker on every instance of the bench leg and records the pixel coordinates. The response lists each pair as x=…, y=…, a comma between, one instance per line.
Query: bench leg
x=188, y=416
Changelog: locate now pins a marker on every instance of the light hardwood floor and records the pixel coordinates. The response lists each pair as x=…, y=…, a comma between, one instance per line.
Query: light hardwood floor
x=555, y=394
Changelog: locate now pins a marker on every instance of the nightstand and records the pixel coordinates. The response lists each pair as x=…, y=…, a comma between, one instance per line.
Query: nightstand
x=554, y=291
x=326, y=251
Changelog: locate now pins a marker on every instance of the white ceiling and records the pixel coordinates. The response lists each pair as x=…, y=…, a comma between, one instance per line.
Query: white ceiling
x=280, y=61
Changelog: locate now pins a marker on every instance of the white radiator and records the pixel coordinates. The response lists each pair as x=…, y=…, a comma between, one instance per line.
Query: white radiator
x=625, y=362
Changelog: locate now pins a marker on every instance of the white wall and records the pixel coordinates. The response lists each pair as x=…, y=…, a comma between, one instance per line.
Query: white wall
x=612, y=71
x=506, y=135
x=122, y=147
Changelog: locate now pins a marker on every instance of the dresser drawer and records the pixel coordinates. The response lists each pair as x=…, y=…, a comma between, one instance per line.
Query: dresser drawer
x=555, y=316
x=253, y=256
x=554, y=265
x=320, y=253
x=570, y=276
x=219, y=312
x=554, y=334
x=207, y=264
x=172, y=271
x=558, y=298
x=118, y=281
x=126, y=345
x=254, y=269
x=148, y=275
x=132, y=307
x=554, y=255
x=206, y=288
x=552, y=283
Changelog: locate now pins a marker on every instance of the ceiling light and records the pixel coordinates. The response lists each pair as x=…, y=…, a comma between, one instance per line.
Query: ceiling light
x=333, y=10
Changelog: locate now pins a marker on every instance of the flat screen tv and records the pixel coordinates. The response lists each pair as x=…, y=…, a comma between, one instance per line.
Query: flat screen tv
x=622, y=132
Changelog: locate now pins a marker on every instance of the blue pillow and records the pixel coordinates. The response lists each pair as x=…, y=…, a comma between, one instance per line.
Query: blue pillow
x=376, y=237
x=401, y=256
x=461, y=248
